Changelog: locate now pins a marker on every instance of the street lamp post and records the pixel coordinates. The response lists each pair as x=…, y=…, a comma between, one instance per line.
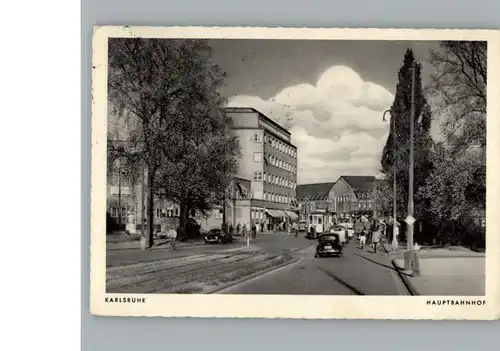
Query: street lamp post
x=411, y=263
x=394, y=184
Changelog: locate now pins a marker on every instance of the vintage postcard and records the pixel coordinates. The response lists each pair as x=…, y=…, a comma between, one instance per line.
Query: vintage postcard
x=295, y=173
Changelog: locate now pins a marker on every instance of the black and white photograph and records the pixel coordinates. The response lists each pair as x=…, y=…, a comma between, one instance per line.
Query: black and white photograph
x=291, y=167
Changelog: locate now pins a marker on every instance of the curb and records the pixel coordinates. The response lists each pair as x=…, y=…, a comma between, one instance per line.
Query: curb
x=409, y=287
x=252, y=276
x=405, y=279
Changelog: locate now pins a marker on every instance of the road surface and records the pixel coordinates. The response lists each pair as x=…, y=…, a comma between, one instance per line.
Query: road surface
x=356, y=273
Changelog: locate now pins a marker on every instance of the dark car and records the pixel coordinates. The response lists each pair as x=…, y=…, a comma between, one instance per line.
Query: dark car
x=329, y=245
x=217, y=236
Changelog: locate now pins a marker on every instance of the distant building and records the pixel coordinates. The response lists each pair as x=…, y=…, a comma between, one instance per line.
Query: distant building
x=354, y=195
x=316, y=204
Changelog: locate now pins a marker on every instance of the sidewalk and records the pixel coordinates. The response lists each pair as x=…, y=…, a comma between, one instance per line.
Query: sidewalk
x=445, y=271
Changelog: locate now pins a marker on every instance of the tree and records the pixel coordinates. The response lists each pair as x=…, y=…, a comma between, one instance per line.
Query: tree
x=200, y=159
x=456, y=187
x=171, y=88
x=400, y=115
x=459, y=88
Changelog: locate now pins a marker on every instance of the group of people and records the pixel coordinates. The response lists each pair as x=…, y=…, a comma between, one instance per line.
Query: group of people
x=240, y=229
x=371, y=236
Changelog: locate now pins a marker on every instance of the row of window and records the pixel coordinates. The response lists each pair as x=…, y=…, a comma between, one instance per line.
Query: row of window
x=115, y=211
x=275, y=143
x=169, y=213
x=257, y=214
x=345, y=198
x=272, y=179
x=276, y=162
x=120, y=191
x=284, y=199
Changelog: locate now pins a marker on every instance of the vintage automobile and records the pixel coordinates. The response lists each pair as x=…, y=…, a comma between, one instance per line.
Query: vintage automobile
x=349, y=226
x=217, y=236
x=341, y=232
x=329, y=245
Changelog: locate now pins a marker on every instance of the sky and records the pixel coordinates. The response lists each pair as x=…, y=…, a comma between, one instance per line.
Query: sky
x=331, y=95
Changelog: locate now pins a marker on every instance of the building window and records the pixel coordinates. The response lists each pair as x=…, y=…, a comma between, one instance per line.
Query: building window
x=257, y=138
x=158, y=212
x=257, y=176
x=257, y=156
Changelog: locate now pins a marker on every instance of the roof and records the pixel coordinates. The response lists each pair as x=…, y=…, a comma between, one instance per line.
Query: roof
x=260, y=114
x=317, y=191
x=360, y=183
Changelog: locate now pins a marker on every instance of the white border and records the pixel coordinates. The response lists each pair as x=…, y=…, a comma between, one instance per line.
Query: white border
x=288, y=306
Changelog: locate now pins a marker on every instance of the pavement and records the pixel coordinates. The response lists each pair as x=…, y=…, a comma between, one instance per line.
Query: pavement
x=446, y=271
x=358, y=272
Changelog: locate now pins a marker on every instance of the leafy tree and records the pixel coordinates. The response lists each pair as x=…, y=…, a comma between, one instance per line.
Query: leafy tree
x=400, y=115
x=456, y=188
x=171, y=88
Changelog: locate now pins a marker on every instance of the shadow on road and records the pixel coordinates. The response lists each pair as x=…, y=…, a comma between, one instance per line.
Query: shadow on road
x=373, y=261
x=347, y=285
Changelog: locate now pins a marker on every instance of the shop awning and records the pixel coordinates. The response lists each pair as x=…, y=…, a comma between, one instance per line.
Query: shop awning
x=293, y=216
x=276, y=213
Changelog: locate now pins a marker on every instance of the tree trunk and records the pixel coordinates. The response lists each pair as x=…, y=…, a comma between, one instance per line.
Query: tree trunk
x=183, y=216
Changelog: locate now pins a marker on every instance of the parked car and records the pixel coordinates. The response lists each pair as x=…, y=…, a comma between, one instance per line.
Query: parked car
x=217, y=236
x=340, y=231
x=329, y=245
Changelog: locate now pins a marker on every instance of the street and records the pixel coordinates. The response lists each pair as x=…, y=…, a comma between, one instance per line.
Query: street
x=210, y=268
x=356, y=273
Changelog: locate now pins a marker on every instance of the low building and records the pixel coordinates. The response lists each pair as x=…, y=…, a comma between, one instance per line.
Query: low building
x=315, y=202
x=354, y=195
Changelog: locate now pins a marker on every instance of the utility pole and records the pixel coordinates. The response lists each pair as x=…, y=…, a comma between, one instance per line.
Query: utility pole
x=411, y=263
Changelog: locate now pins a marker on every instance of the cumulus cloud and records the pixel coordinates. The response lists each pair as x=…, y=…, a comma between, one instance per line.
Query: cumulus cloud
x=336, y=124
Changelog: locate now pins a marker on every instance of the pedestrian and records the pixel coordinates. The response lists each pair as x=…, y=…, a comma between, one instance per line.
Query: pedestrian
x=231, y=229
x=244, y=230
x=254, y=231
x=262, y=227
x=238, y=229
x=362, y=238
x=172, y=235
x=376, y=238
x=295, y=229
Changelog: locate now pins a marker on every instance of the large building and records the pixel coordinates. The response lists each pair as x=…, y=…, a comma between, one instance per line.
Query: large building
x=262, y=193
x=269, y=161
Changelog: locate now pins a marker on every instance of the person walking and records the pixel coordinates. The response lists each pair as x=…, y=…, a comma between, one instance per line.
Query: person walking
x=254, y=231
x=244, y=230
x=238, y=229
x=172, y=235
x=362, y=238
x=295, y=229
x=376, y=238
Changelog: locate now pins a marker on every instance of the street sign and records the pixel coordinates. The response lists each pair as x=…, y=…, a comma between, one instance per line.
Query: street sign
x=410, y=220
